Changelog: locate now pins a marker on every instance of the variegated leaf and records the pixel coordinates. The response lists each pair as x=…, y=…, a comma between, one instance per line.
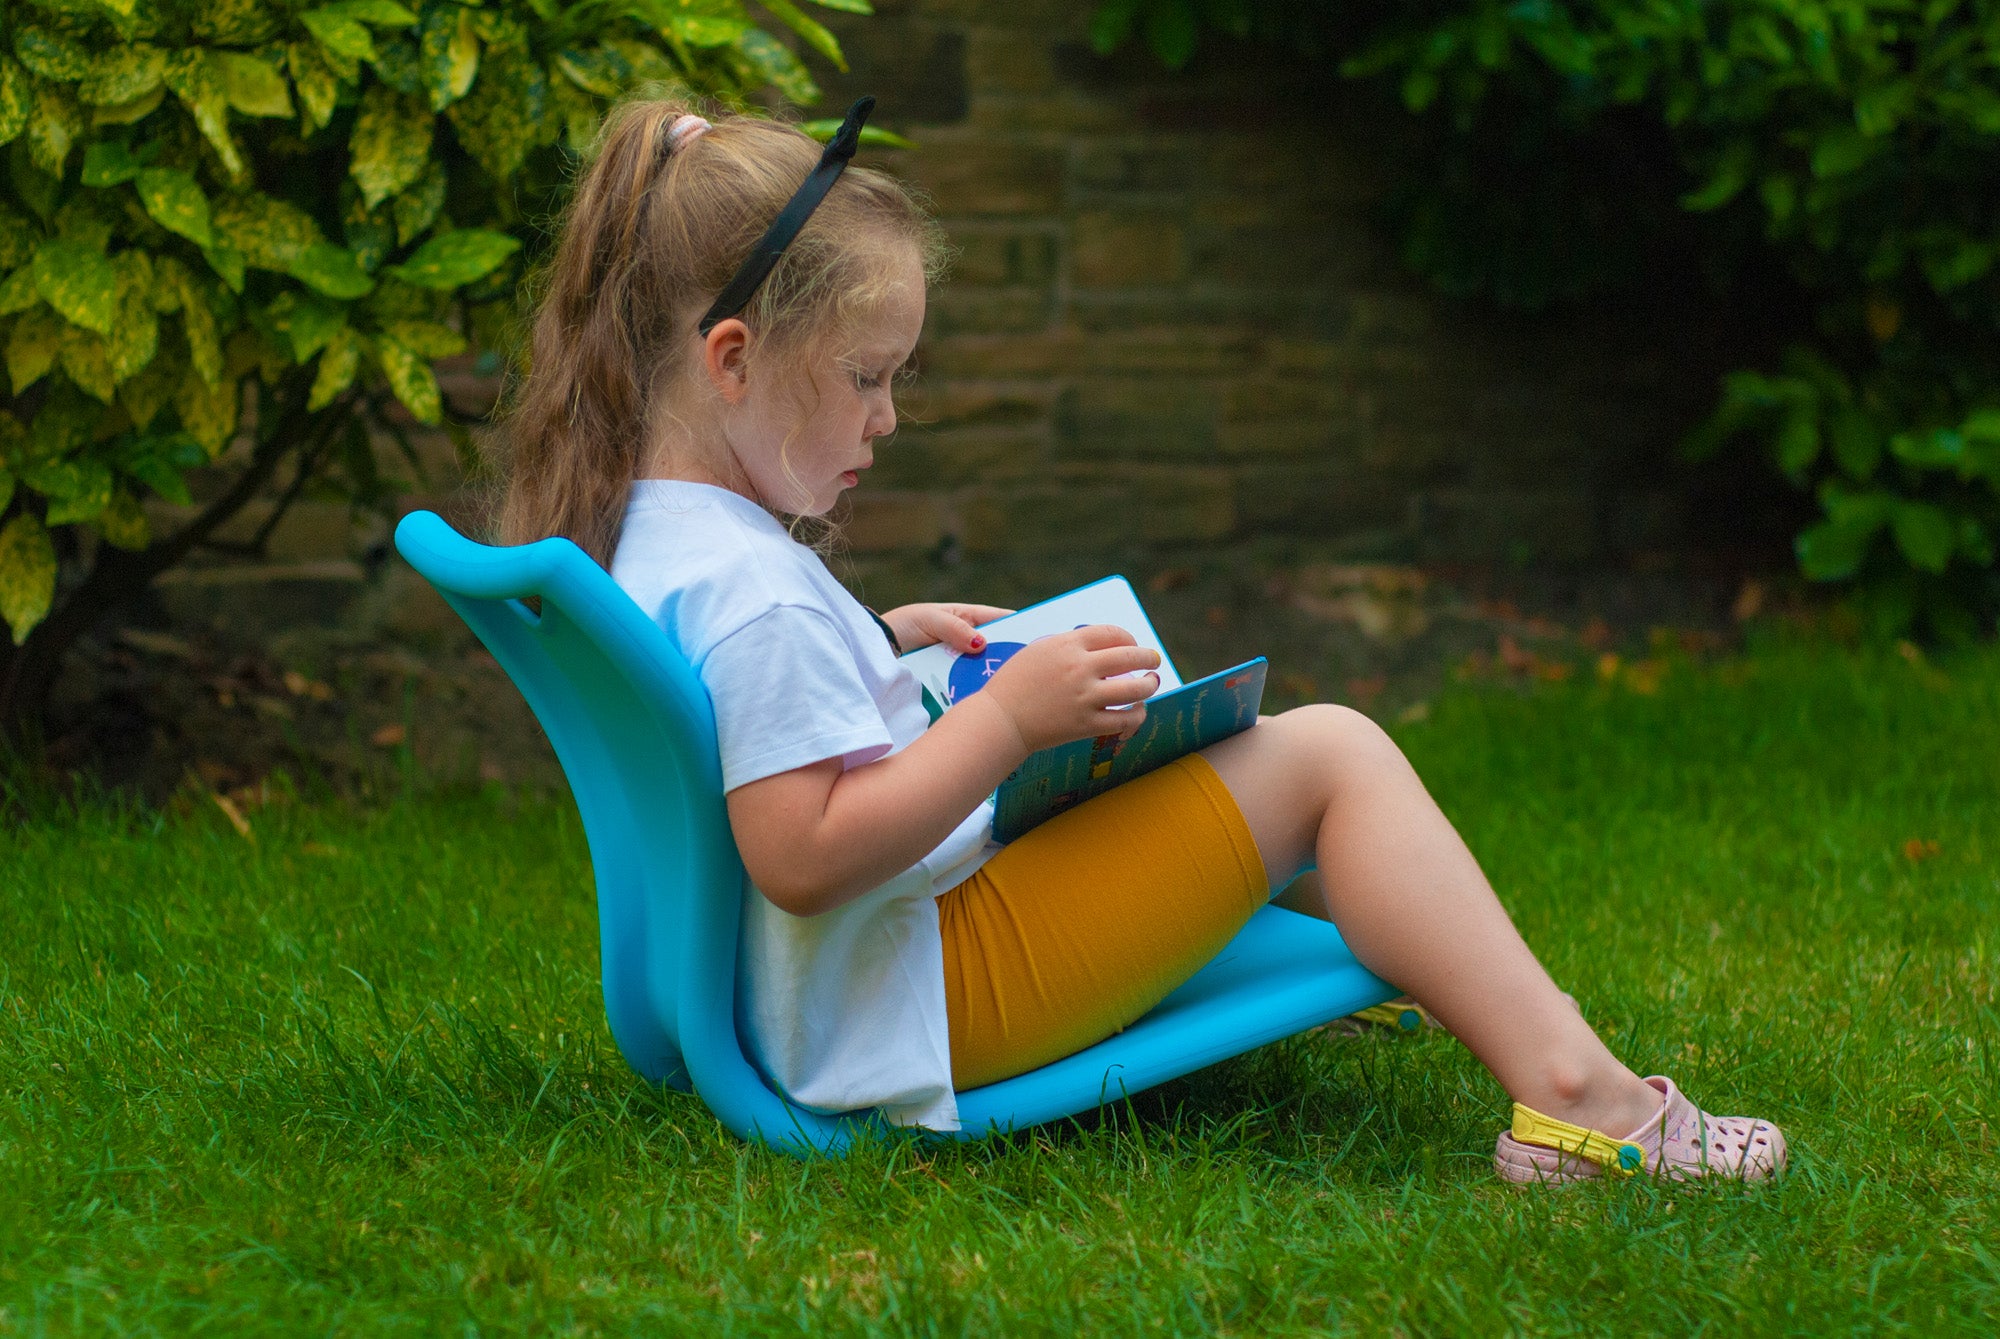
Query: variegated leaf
x=252, y=86
x=19, y=291
x=77, y=281
x=227, y=262
x=6, y=481
x=306, y=322
x=346, y=40
x=125, y=113
x=88, y=362
x=32, y=347
x=17, y=239
x=390, y=144
x=123, y=523
x=417, y=208
x=502, y=118
x=338, y=363
x=51, y=54
x=196, y=79
x=108, y=163
x=411, y=379
x=81, y=496
x=777, y=66
x=331, y=270
x=27, y=575
x=53, y=128
x=450, y=54
x=176, y=203
x=208, y=412
x=318, y=86
x=427, y=339
x=270, y=233
x=135, y=335
x=455, y=258
x=16, y=99
x=145, y=395
x=203, y=332
x=123, y=74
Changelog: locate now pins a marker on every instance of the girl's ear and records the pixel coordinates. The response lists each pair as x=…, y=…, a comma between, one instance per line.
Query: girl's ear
x=725, y=357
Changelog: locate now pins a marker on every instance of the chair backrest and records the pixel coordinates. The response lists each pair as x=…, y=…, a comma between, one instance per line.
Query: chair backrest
x=633, y=729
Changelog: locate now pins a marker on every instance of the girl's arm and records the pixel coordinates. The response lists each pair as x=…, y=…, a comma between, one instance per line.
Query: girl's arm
x=817, y=837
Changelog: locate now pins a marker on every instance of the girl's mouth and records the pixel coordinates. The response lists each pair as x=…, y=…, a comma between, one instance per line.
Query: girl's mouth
x=850, y=478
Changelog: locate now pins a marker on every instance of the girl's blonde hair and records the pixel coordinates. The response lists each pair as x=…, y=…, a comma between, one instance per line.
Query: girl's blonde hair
x=652, y=234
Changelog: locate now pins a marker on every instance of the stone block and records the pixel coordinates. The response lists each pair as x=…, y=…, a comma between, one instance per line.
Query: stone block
x=1067, y=516
x=1169, y=351
x=954, y=311
x=944, y=404
x=982, y=176
x=916, y=66
x=1264, y=399
x=919, y=459
x=1000, y=60
x=1003, y=257
x=1284, y=437
x=1183, y=505
x=975, y=353
x=1320, y=498
x=1118, y=249
x=1136, y=416
x=1552, y=525
x=890, y=522
x=1132, y=167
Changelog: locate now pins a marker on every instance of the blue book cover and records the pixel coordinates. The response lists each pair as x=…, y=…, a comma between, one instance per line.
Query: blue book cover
x=1180, y=718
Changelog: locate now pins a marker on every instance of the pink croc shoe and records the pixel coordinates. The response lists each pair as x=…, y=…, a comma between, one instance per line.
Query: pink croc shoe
x=1682, y=1143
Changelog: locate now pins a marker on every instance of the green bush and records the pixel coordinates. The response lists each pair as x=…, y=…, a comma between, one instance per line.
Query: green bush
x=1854, y=141
x=275, y=215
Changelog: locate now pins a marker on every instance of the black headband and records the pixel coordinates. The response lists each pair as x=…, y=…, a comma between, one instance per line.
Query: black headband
x=736, y=294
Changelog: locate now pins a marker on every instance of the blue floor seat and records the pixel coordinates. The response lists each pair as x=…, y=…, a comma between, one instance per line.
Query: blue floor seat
x=632, y=727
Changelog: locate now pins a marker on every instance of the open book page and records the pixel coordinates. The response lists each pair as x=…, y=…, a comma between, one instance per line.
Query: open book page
x=950, y=676
x=1180, y=718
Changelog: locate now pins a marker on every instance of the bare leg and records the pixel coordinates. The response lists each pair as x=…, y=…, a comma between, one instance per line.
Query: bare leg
x=1324, y=785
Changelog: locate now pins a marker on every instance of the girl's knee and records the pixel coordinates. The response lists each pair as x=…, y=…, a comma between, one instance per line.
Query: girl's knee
x=1340, y=736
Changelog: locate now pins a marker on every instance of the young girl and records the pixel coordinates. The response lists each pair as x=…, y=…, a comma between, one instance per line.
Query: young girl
x=713, y=362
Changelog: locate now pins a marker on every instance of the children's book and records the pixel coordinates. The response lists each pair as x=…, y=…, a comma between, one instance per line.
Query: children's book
x=1180, y=717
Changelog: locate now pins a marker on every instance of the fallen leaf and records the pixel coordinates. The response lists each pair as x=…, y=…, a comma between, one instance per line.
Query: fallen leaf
x=234, y=815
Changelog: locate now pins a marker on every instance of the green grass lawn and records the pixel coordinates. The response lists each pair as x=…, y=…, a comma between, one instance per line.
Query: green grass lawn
x=352, y=1075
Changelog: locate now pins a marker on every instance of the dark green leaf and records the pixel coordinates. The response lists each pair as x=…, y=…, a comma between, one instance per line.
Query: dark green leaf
x=1925, y=534
x=777, y=66
x=331, y=270
x=318, y=86
x=108, y=163
x=196, y=79
x=497, y=123
x=1843, y=151
x=450, y=54
x=176, y=203
x=819, y=39
x=1831, y=551
x=455, y=258
x=307, y=323
x=53, y=128
x=32, y=347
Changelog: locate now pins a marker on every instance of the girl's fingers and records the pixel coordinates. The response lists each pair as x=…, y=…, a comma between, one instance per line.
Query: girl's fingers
x=1123, y=660
x=1123, y=691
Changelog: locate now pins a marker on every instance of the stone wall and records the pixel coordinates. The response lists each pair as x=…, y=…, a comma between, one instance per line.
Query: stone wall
x=1173, y=324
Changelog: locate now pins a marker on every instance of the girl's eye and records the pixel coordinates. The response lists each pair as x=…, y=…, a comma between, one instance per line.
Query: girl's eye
x=868, y=381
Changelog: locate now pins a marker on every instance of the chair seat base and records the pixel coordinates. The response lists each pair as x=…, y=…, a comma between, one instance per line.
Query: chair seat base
x=1282, y=974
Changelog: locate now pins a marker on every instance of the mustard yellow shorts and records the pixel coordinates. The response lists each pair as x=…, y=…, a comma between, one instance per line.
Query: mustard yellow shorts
x=1080, y=926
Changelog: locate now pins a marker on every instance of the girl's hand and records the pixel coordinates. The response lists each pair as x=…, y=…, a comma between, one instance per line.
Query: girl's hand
x=1064, y=687
x=918, y=625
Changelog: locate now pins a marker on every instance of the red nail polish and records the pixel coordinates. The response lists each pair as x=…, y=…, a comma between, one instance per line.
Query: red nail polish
x=979, y=643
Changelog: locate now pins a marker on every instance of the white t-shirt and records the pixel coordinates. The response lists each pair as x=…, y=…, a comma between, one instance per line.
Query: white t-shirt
x=843, y=1010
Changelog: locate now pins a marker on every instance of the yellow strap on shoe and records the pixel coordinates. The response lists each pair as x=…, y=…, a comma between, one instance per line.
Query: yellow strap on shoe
x=1621, y=1156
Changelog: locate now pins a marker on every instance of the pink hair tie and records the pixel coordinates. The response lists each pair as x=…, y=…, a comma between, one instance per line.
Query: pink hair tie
x=685, y=130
